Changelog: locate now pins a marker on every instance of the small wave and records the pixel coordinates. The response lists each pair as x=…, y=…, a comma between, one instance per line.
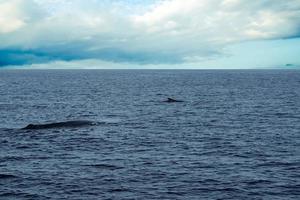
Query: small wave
x=105, y=166
x=119, y=190
x=11, y=158
x=6, y=129
x=21, y=195
x=258, y=182
x=23, y=147
x=286, y=115
x=278, y=164
x=7, y=176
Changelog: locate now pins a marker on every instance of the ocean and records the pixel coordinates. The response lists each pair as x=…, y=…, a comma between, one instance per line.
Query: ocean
x=235, y=135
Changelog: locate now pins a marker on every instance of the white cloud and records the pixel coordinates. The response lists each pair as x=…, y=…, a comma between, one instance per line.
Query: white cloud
x=10, y=16
x=182, y=30
x=223, y=21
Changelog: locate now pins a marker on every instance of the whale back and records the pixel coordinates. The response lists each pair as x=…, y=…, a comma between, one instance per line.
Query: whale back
x=67, y=124
x=170, y=100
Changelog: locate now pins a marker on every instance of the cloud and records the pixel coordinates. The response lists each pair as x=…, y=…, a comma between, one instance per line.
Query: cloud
x=10, y=16
x=155, y=32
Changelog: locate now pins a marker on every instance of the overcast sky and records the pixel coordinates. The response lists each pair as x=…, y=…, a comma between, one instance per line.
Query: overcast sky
x=198, y=34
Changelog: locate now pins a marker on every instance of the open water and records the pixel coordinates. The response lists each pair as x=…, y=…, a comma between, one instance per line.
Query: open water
x=235, y=136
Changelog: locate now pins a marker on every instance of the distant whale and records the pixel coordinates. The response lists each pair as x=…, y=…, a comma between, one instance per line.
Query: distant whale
x=170, y=100
x=67, y=124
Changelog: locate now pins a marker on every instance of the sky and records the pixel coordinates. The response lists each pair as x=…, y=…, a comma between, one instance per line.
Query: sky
x=149, y=34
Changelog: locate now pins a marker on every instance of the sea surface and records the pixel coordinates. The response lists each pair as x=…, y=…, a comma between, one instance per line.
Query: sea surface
x=236, y=135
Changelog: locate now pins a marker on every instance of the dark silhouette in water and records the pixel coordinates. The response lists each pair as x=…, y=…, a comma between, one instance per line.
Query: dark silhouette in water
x=67, y=124
x=170, y=100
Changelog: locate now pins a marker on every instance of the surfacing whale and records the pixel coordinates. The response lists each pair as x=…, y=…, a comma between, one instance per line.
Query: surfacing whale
x=170, y=100
x=67, y=124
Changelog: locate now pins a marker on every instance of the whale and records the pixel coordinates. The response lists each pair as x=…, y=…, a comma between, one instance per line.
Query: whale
x=170, y=100
x=66, y=124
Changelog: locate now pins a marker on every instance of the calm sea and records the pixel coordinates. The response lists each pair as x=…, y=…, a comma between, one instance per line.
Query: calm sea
x=236, y=135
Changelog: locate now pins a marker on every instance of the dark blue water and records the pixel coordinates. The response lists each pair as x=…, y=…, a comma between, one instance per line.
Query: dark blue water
x=235, y=136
